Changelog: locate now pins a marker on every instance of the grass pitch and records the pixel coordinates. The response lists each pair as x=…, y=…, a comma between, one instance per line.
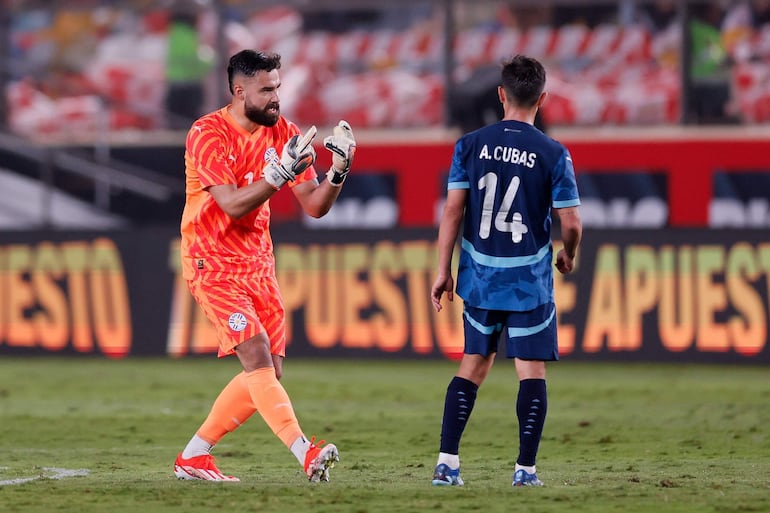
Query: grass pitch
x=83, y=435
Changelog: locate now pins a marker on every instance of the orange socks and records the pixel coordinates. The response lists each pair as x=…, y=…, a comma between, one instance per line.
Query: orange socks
x=273, y=404
x=247, y=393
x=231, y=409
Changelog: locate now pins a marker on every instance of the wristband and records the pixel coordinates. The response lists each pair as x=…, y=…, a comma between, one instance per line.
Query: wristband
x=276, y=176
x=335, y=177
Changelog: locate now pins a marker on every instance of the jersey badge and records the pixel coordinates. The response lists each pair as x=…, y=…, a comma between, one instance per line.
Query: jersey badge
x=271, y=156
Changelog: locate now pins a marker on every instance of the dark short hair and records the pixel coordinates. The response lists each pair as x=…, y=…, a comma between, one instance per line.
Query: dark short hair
x=249, y=62
x=523, y=79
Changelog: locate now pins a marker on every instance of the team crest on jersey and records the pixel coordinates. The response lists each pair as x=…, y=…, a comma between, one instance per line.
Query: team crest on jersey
x=237, y=321
x=271, y=156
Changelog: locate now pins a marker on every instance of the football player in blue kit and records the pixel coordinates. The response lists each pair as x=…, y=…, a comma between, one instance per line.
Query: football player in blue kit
x=505, y=181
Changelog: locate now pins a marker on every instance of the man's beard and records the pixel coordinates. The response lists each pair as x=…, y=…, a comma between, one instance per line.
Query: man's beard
x=263, y=117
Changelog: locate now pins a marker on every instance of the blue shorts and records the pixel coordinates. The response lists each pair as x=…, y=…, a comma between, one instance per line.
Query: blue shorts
x=528, y=335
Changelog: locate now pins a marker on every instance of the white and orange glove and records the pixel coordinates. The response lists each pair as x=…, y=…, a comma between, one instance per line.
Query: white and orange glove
x=298, y=154
x=343, y=146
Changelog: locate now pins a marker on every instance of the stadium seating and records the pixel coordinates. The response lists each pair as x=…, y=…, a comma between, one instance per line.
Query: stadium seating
x=611, y=74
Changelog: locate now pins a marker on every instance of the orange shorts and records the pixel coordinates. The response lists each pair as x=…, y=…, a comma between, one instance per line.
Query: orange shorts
x=241, y=308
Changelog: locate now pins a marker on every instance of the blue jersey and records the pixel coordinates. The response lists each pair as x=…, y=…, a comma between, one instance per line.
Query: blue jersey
x=514, y=175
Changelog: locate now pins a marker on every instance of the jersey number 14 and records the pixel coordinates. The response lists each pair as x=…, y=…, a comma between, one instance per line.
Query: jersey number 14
x=488, y=184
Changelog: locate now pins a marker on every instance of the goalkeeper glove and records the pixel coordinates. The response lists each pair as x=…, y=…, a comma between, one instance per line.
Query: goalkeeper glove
x=298, y=155
x=343, y=146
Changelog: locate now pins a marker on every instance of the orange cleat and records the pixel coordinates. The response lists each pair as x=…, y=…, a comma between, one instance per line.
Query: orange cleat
x=318, y=460
x=201, y=468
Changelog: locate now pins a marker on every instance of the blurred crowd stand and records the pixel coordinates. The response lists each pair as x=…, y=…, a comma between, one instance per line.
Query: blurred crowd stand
x=86, y=65
x=188, y=63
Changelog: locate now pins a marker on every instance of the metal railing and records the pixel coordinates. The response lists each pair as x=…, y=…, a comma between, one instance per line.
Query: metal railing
x=107, y=177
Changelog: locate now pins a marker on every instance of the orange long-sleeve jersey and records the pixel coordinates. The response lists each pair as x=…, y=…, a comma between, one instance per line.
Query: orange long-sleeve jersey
x=219, y=151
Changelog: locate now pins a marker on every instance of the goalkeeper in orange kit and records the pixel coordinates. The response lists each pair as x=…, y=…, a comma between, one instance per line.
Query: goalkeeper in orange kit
x=236, y=158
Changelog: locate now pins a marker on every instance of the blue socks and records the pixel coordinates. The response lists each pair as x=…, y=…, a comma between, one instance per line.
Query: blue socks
x=458, y=405
x=531, y=407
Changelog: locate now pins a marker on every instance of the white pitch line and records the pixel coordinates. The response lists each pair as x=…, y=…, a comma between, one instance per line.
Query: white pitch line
x=47, y=473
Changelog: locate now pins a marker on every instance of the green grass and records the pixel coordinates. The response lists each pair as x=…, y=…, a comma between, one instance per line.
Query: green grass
x=619, y=438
